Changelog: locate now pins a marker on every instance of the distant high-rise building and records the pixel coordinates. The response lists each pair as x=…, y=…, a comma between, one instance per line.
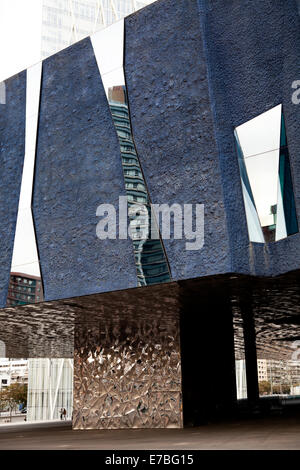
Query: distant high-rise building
x=150, y=259
x=67, y=21
x=241, y=379
x=262, y=370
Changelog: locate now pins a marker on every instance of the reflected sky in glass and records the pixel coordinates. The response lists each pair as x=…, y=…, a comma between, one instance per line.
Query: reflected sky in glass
x=25, y=280
x=266, y=178
x=260, y=141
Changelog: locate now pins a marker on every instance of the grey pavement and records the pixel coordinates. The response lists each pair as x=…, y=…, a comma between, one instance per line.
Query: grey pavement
x=265, y=434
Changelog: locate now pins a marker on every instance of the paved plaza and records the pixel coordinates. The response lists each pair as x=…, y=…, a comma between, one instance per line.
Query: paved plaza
x=276, y=433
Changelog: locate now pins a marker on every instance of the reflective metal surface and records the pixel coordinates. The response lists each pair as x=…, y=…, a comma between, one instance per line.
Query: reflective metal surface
x=126, y=344
x=127, y=372
x=239, y=350
x=266, y=177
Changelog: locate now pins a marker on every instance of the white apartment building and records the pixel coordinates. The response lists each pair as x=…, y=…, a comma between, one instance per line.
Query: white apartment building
x=13, y=371
x=241, y=380
x=262, y=370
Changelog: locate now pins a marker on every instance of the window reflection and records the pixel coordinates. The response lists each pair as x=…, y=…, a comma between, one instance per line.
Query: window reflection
x=278, y=377
x=239, y=350
x=149, y=255
x=150, y=259
x=2, y=93
x=25, y=284
x=266, y=177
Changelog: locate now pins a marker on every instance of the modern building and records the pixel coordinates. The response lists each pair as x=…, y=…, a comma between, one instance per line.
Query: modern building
x=13, y=371
x=207, y=127
x=262, y=369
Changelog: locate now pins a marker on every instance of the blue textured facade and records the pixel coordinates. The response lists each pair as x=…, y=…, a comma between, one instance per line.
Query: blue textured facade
x=233, y=61
x=166, y=75
x=78, y=167
x=12, y=150
x=190, y=80
x=252, y=51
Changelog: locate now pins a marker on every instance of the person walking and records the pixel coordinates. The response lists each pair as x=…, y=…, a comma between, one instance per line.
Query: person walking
x=61, y=413
x=65, y=414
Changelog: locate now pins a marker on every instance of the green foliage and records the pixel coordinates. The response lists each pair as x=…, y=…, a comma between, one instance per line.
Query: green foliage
x=279, y=389
x=13, y=395
x=264, y=387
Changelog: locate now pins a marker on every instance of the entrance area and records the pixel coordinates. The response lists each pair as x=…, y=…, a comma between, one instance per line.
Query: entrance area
x=169, y=356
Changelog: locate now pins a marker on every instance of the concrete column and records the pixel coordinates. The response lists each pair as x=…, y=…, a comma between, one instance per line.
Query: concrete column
x=207, y=354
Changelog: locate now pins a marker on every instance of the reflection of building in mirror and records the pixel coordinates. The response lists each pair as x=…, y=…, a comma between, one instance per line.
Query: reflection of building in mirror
x=278, y=377
x=25, y=286
x=24, y=289
x=149, y=255
x=266, y=178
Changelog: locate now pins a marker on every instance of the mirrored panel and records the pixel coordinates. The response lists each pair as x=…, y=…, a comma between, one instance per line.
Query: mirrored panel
x=276, y=315
x=25, y=285
x=150, y=259
x=266, y=177
x=239, y=350
x=2, y=93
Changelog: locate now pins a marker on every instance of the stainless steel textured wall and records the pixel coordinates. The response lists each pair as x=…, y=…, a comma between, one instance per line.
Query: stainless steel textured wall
x=127, y=372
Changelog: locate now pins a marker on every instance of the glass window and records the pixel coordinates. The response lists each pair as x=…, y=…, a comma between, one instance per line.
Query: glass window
x=266, y=179
x=110, y=63
x=25, y=267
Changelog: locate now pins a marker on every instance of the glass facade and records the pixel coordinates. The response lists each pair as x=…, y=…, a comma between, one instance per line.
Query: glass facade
x=150, y=259
x=25, y=284
x=266, y=179
x=149, y=255
x=24, y=290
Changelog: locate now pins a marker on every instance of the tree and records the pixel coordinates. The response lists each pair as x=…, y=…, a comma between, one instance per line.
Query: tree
x=264, y=387
x=3, y=404
x=18, y=393
x=13, y=395
x=281, y=389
